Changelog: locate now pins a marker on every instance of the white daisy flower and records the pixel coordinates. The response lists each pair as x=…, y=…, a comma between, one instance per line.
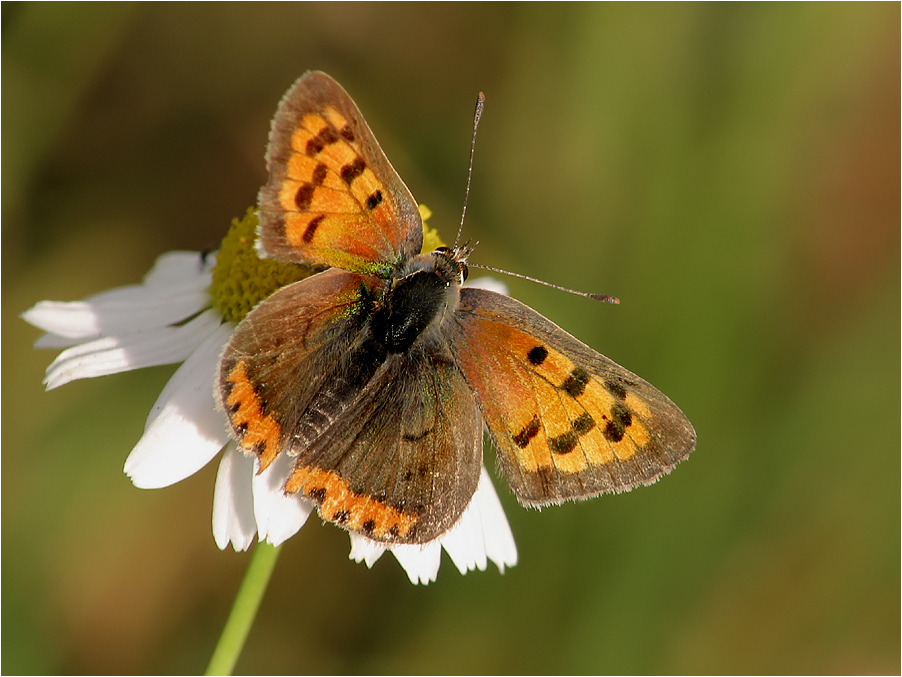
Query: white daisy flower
x=185, y=311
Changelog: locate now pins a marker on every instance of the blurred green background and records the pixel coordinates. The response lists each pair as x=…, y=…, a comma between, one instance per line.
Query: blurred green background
x=730, y=171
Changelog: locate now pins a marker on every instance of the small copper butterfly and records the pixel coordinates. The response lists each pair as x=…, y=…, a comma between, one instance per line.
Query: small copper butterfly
x=378, y=374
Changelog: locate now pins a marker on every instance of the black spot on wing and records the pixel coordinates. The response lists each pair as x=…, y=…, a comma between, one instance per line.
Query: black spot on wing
x=575, y=384
x=326, y=137
x=320, y=174
x=530, y=430
x=374, y=200
x=616, y=389
x=583, y=424
x=621, y=419
x=613, y=432
x=318, y=495
x=537, y=355
x=304, y=196
x=622, y=414
x=352, y=170
x=310, y=231
x=564, y=444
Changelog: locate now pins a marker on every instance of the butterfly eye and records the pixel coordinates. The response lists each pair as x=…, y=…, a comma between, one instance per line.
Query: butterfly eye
x=464, y=272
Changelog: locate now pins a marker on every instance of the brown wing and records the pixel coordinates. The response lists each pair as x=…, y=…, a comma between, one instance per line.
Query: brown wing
x=400, y=464
x=333, y=198
x=568, y=423
x=276, y=361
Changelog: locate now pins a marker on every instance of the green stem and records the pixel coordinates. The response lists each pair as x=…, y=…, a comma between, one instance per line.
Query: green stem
x=244, y=610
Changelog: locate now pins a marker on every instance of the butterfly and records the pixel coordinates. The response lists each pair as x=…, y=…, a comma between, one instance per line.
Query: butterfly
x=378, y=374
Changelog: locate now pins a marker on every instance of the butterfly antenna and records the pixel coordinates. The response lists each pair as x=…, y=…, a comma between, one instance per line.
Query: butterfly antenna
x=607, y=298
x=480, y=105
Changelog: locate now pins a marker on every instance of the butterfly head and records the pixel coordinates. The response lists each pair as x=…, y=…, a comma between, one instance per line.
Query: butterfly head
x=454, y=261
x=449, y=265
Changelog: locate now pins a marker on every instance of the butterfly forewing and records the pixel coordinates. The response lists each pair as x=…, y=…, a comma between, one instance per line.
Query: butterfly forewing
x=568, y=423
x=333, y=198
x=280, y=355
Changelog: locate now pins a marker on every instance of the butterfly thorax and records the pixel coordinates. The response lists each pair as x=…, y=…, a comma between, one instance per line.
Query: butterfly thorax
x=419, y=300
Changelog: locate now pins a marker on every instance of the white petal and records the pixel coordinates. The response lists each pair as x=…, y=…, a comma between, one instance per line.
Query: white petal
x=499, y=540
x=114, y=354
x=488, y=283
x=233, y=501
x=180, y=267
x=131, y=309
x=365, y=550
x=54, y=341
x=184, y=430
x=421, y=562
x=465, y=542
x=481, y=531
x=279, y=516
x=72, y=320
x=174, y=290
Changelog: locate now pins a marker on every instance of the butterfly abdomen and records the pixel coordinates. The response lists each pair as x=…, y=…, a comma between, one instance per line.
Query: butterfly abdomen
x=355, y=370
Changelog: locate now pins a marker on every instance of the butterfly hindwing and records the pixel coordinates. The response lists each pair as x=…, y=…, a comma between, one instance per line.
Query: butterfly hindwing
x=402, y=462
x=567, y=422
x=333, y=198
